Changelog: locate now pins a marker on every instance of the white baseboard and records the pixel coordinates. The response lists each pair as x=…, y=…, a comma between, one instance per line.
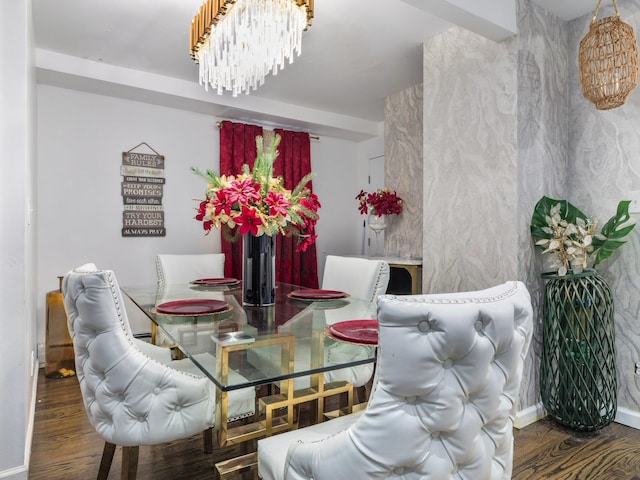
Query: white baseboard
x=529, y=415
x=21, y=472
x=18, y=473
x=624, y=416
x=41, y=353
x=32, y=416
x=630, y=418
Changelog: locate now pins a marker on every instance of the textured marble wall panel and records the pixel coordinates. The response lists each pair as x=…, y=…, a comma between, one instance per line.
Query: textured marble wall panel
x=605, y=150
x=495, y=141
x=482, y=179
x=403, y=169
x=470, y=162
x=543, y=157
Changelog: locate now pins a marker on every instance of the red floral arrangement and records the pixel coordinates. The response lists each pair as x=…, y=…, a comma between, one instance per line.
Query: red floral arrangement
x=257, y=203
x=383, y=201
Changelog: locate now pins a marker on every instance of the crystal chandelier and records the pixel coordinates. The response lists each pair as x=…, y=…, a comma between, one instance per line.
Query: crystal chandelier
x=237, y=43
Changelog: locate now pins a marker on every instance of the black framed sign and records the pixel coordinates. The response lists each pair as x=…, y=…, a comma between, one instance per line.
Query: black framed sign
x=142, y=189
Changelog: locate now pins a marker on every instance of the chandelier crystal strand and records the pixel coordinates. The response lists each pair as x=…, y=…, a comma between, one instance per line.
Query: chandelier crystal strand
x=251, y=40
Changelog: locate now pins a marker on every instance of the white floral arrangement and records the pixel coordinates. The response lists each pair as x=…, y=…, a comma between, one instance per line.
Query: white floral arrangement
x=569, y=238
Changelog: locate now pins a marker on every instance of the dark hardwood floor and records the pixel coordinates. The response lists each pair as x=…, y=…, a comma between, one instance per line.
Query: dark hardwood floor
x=66, y=447
x=545, y=450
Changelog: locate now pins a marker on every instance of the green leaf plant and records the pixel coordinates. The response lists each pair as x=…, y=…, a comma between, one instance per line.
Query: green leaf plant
x=569, y=237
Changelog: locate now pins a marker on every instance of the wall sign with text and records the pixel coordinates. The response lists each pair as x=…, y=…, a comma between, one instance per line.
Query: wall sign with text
x=142, y=189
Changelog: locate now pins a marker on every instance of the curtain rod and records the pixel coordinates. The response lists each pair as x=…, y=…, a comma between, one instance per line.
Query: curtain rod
x=312, y=137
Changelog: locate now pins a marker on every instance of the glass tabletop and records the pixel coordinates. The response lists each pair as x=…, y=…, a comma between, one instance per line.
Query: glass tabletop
x=262, y=344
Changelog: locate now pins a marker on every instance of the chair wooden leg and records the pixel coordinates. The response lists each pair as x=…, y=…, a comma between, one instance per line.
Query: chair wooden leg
x=129, y=463
x=361, y=394
x=207, y=437
x=107, y=458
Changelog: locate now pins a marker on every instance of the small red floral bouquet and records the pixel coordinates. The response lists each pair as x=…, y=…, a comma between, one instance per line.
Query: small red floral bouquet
x=257, y=203
x=383, y=201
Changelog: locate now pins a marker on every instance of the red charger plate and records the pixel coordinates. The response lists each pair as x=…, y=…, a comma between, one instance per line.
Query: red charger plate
x=357, y=331
x=215, y=281
x=192, y=306
x=317, y=294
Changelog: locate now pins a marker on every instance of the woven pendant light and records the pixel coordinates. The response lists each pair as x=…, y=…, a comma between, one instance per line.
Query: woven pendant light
x=608, y=61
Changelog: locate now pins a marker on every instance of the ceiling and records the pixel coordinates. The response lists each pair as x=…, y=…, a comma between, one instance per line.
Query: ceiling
x=352, y=56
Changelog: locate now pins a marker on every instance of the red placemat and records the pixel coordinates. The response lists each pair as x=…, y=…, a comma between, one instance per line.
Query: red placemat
x=215, y=281
x=357, y=331
x=192, y=306
x=317, y=294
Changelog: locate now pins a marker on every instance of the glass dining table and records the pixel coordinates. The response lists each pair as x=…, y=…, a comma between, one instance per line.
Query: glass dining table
x=288, y=344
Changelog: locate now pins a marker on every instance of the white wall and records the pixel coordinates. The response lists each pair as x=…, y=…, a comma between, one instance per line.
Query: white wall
x=17, y=237
x=81, y=138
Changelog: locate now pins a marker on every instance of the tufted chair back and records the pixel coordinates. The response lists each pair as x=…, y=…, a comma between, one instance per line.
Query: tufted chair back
x=448, y=377
x=360, y=277
x=130, y=398
x=180, y=269
x=183, y=268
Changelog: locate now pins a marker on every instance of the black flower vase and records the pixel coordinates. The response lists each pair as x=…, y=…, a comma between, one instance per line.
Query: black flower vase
x=258, y=270
x=578, y=381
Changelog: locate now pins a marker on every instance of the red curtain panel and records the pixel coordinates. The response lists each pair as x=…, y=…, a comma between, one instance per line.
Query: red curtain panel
x=237, y=147
x=293, y=163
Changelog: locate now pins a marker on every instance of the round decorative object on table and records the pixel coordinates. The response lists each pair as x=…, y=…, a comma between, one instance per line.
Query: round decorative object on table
x=192, y=307
x=259, y=270
x=357, y=331
x=215, y=282
x=317, y=294
x=578, y=382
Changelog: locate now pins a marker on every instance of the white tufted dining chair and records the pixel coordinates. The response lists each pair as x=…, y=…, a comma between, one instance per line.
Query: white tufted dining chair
x=180, y=269
x=446, y=390
x=133, y=393
x=360, y=277
x=184, y=268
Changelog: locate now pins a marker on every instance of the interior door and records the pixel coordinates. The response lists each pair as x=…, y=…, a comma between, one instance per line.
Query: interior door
x=376, y=181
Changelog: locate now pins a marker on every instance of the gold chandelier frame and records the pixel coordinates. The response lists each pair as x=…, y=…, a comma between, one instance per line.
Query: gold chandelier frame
x=211, y=12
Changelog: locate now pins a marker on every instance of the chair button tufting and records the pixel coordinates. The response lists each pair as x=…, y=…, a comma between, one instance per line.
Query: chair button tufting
x=398, y=471
x=178, y=408
x=411, y=399
x=424, y=326
x=479, y=326
x=141, y=418
x=448, y=363
x=156, y=391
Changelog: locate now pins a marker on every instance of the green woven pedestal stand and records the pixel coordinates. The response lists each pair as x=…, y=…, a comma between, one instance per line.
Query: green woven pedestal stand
x=578, y=371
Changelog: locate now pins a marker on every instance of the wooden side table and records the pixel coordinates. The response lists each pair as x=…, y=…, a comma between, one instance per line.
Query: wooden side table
x=59, y=353
x=412, y=266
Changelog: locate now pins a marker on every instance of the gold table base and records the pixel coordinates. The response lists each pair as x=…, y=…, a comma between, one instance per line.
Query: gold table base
x=269, y=423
